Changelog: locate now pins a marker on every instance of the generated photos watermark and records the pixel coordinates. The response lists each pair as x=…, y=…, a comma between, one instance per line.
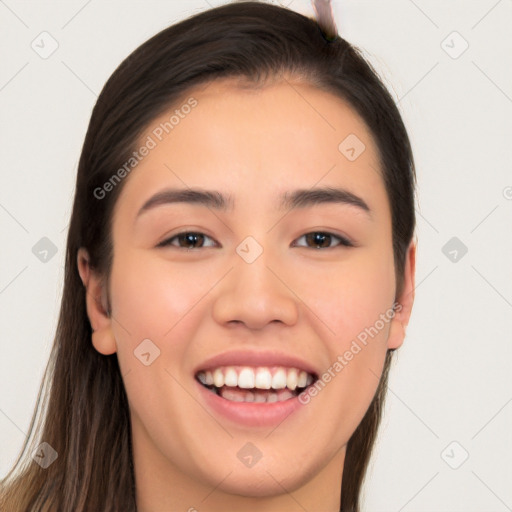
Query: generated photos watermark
x=355, y=348
x=151, y=142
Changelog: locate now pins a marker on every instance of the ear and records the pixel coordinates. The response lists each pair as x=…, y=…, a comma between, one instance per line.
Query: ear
x=97, y=306
x=404, y=302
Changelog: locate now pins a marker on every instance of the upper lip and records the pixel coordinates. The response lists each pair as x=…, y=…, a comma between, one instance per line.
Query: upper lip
x=256, y=358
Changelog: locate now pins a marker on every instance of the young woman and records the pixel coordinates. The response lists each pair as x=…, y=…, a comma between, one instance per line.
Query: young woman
x=240, y=268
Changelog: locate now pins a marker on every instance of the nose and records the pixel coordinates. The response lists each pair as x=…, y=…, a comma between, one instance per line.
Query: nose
x=256, y=294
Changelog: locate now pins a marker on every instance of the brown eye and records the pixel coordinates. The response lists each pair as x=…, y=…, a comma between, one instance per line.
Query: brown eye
x=322, y=240
x=186, y=240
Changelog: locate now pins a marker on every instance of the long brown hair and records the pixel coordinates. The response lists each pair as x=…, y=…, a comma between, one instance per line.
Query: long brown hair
x=82, y=409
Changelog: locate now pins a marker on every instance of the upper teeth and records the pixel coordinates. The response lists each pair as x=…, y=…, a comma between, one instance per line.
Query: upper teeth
x=247, y=377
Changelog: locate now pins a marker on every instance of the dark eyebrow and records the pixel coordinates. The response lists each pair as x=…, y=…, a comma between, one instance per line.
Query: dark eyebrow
x=208, y=198
x=301, y=198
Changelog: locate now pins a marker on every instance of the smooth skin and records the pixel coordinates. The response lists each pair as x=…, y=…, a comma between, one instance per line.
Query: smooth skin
x=194, y=300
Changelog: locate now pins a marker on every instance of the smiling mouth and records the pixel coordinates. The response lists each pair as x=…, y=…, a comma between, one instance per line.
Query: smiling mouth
x=256, y=384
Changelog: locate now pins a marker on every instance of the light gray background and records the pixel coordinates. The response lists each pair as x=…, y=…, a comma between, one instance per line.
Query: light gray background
x=452, y=378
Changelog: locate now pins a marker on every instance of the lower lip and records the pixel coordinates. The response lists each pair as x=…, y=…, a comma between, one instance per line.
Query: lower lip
x=251, y=414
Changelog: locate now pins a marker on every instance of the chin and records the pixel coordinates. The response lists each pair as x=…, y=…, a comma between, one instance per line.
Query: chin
x=262, y=480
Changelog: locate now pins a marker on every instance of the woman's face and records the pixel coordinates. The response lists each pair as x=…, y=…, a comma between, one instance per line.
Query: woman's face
x=273, y=278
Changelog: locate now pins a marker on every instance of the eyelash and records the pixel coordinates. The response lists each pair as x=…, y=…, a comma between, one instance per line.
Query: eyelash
x=344, y=242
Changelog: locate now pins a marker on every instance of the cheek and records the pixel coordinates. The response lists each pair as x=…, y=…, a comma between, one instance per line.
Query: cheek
x=153, y=301
x=151, y=296
x=355, y=308
x=162, y=301
x=352, y=297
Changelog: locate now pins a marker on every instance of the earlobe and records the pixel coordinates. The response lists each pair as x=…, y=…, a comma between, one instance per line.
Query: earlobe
x=96, y=302
x=404, y=302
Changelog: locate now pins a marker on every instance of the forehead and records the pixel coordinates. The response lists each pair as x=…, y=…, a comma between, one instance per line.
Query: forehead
x=253, y=143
